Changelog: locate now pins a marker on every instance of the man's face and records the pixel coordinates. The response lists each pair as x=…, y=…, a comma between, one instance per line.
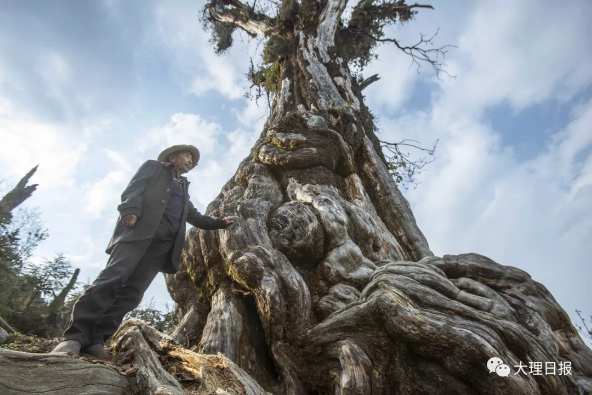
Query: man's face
x=183, y=161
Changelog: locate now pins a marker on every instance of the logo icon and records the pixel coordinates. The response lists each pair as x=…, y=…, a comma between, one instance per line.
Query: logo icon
x=493, y=363
x=502, y=370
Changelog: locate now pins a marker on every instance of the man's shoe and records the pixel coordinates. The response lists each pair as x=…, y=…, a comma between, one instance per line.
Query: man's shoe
x=96, y=350
x=67, y=346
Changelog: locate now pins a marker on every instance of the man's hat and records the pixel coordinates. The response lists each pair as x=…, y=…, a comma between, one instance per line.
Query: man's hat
x=164, y=155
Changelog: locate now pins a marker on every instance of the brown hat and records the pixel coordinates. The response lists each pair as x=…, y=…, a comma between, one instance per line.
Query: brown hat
x=164, y=155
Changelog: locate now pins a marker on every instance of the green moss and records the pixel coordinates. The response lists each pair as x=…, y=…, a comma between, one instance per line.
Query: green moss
x=267, y=77
x=273, y=76
x=277, y=48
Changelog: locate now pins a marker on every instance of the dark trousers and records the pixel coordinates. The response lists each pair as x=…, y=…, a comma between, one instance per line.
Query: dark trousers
x=119, y=288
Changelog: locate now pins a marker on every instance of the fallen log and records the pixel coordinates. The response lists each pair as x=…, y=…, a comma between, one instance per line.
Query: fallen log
x=27, y=373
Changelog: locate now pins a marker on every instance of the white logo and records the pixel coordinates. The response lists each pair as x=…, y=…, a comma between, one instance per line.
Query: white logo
x=493, y=363
x=502, y=370
x=561, y=368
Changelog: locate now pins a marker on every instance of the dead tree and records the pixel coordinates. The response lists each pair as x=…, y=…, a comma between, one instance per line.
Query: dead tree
x=54, y=318
x=16, y=197
x=9, y=202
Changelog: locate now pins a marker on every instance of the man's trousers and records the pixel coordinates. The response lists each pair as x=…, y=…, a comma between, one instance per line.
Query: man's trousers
x=119, y=288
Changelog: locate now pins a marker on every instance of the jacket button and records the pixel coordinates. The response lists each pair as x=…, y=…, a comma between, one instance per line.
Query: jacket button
x=164, y=201
x=168, y=190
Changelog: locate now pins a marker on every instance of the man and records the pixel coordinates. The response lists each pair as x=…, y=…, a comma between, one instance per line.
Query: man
x=148, y=239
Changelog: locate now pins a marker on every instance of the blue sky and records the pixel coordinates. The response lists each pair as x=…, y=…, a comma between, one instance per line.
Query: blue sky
x=89, y=90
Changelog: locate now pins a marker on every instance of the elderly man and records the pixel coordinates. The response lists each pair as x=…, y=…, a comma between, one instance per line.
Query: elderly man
x=148, y=239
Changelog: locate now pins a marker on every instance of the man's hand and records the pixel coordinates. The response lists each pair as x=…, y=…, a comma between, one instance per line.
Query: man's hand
x=229, y=220
x=129, y=220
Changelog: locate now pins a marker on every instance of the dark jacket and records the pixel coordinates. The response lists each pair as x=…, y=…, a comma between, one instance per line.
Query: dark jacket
x=146, y=197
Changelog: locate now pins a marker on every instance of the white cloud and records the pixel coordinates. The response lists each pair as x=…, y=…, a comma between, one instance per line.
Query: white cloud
x=251, y=119
x=395, y=71
x=507, y=51
x=535, y=215
x=522, y=53
x=221, y=76
x=478, y=196
x=184, y=129
x=207, y=181
x=202, y=71
x=253, y=115
x=103, y=195
x=31, y=143
x=118, y=159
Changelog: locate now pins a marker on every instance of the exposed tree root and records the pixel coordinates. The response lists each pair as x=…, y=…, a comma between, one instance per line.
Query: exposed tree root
x=140, y=352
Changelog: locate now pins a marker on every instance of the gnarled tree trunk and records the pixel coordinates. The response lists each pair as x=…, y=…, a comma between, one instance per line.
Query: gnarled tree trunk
x=326, y=285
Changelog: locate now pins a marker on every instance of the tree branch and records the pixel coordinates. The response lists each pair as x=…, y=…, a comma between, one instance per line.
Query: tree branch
x=369, y=81
x=366, y=28
x=398, y=160
x=587, y=332
x=239, y=14
x=419, y=54
x=417, y=51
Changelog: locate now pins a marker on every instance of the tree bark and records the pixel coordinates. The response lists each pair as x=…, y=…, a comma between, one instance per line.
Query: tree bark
x=26, y=373
x=136, y=369
x=326, y=284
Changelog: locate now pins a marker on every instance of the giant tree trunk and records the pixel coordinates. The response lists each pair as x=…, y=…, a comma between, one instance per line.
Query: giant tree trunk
x=326, y=285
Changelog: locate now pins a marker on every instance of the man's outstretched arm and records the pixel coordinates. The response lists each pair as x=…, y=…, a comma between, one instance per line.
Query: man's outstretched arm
x=198, y=220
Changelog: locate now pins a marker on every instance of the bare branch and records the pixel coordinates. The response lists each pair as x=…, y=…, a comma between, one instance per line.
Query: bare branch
x=400, y=166
x=369, y=81
x=366, y=28
x=587, y=332
x=418, y=52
